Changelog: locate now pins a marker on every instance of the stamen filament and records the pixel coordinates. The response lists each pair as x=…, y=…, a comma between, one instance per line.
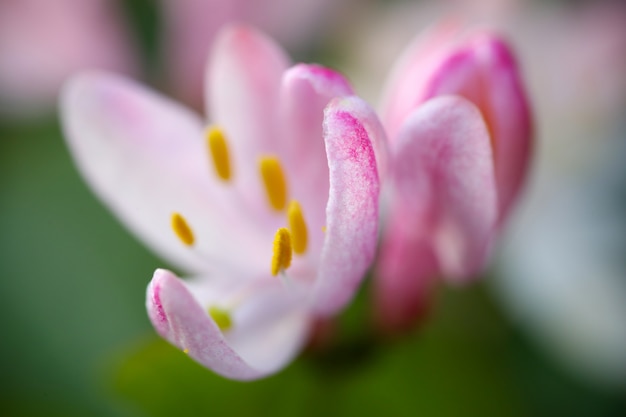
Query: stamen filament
x=281, y=258
x=274, y=180
x=182, y=229
x=216, y=141
x=297, y=227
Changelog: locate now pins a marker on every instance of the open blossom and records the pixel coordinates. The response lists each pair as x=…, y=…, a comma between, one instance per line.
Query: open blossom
x=459, y=130
x=272, y=207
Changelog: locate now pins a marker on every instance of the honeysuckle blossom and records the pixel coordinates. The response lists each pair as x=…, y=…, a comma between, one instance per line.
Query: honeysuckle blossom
x=459, y=131
x=43, y=42
x=272, y=206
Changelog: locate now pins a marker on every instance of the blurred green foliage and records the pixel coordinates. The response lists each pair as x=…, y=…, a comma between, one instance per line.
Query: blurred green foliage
x=70, y=274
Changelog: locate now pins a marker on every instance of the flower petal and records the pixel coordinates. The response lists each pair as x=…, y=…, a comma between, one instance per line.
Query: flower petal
x=405, y=274
x=355, y=149
x=406, y=84
x=444, y=184
x=306, y=91
x=485, y=72
x=269, y=328
x=243, y=85
x=481, y=68
x=145, y=157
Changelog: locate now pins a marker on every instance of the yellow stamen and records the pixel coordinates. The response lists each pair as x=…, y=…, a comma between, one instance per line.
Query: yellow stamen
x=182, y=229
x=274, y=181
x=281, y=259
x=186, y=351
x=216, y=141
x=323, y=229
x=221, y=317
x=297, y=227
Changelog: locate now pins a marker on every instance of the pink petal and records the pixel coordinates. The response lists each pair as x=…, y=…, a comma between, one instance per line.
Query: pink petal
x=145, y=158
x=444, y=190
x=268, y=329
x=485, y=72
x=405, y=276
x=481, y=68
x=354, y=146
x=306, y=91
x=243, y=84
x=406, y=84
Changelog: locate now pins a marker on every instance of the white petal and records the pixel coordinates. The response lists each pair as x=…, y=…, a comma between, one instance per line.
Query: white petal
x=145, y=157
x=269, y=323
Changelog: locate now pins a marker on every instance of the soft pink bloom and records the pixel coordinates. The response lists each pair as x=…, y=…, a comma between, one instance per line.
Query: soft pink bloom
x=191, y=26
x=147, y=157
x=459, y=131
x=43, y=42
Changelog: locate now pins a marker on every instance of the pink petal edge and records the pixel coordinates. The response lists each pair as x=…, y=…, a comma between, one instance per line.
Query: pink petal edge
x=355, y=149
x=405, y=85
x=484, y=71
x=305, y=92
x=444, y=183
x=177, y=317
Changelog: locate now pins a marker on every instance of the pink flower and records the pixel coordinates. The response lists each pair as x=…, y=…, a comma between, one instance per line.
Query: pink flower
x=191, y=26
x=460, y=137
x=43, y=42
x=285, y=181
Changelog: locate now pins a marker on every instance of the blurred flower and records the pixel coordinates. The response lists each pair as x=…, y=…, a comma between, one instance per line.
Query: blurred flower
x=191, y=25
x=286, y=171
x=43, y=42
x=458, y=163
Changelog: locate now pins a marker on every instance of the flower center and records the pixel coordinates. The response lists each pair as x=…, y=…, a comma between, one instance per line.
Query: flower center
x=287, y=240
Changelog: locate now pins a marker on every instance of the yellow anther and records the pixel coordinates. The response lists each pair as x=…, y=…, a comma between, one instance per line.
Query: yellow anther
x=297, y=227
x=216, y=141
x=274, y=180
x=281, y=259
x=323, y=229
x=186, y=351
x=182, y=229
x=221, y=317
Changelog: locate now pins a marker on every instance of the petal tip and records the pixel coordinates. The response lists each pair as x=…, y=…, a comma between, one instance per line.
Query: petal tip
x=154, y=303
x=322, y=79
x=351, y=134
